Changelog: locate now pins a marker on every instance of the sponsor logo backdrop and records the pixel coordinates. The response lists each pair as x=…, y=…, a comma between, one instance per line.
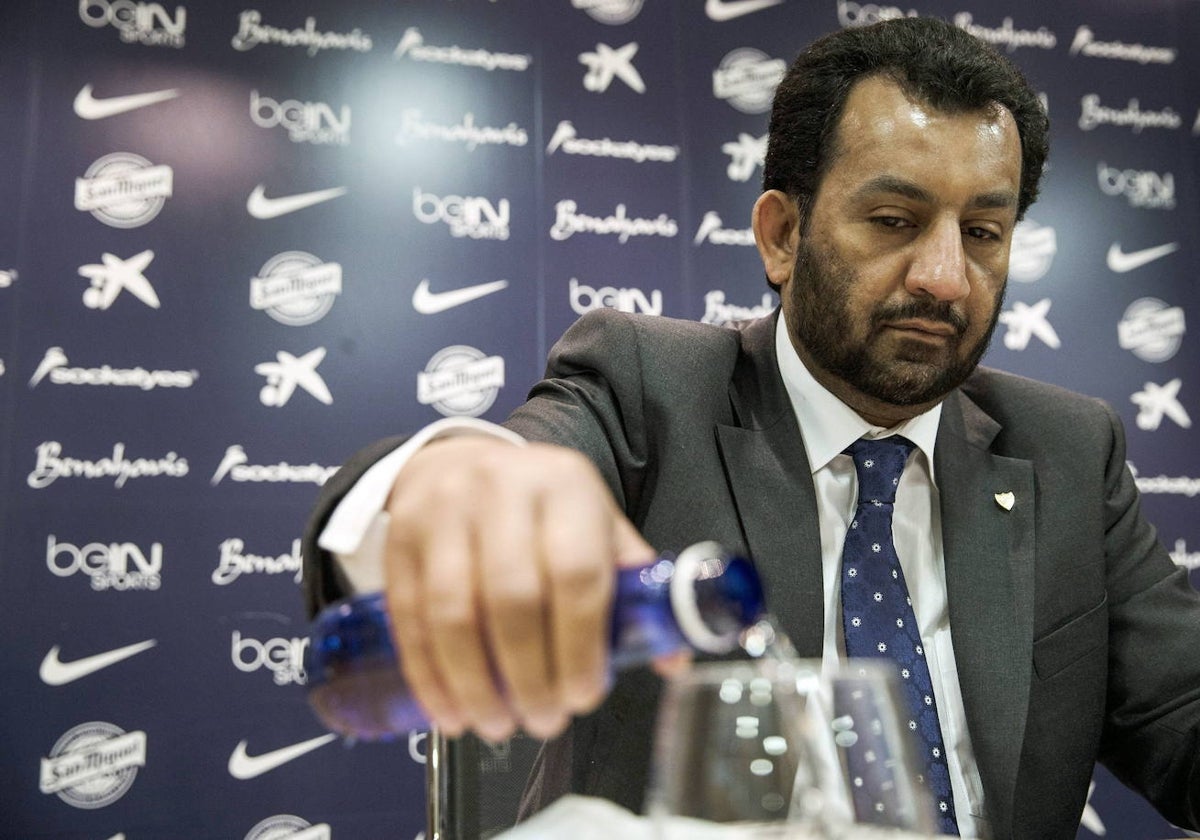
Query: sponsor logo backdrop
x=242, y=239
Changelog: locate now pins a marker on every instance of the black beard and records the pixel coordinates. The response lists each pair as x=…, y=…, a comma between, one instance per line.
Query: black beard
x=918, y=374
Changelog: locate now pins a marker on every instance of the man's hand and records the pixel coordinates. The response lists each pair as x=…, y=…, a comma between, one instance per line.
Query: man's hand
x=500, y=564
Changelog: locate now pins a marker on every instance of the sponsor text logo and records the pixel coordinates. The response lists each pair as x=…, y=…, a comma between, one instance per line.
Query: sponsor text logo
x=717, y=311
x=93, y=764
x=569, y=221
x=54, y=367
x=413, y=47
x=460, y=381
x=252, y=32
x=746, y=78
x=138, y=23
x=235, y=561
x=296, y=288
x=586, y=298
x=472, y=136
x=567, y=139
x=111, y=566
x=124, y=190
x=1092, y=114
x=51, y=465
x=236, y=466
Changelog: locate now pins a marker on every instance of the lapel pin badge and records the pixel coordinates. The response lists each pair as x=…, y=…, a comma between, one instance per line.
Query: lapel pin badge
x=1006, y=500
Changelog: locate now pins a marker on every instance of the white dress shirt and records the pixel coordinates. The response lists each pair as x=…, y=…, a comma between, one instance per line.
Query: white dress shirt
x=355, y=535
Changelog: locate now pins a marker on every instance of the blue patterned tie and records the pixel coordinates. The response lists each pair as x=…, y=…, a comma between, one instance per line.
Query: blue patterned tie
x=877, y=613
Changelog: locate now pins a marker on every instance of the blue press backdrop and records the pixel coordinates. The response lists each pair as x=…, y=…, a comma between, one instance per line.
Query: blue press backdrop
x=186, y=353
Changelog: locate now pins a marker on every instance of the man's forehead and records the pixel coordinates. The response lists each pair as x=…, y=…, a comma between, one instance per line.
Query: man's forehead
x=879, y=97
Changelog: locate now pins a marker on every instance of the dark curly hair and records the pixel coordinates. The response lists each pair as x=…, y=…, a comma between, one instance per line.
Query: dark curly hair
x=931, y=60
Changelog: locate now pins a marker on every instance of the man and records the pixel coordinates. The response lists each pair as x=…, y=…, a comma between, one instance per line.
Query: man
x=1056, y=629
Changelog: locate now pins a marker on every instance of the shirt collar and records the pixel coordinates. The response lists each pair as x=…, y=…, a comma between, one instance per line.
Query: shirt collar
x=827, y=424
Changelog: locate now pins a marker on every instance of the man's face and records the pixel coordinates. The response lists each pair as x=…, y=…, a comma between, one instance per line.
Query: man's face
x=898, y=279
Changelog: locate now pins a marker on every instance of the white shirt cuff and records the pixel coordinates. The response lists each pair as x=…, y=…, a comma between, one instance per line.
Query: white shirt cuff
x=357, y=529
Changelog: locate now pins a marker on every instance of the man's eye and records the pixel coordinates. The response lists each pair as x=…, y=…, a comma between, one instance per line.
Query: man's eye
x=981, y=233
x=890, y=221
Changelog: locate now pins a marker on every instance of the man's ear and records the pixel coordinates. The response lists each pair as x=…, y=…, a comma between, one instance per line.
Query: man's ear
x=776, y=223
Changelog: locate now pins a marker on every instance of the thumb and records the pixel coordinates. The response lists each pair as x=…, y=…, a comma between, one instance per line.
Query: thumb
x=629, y=547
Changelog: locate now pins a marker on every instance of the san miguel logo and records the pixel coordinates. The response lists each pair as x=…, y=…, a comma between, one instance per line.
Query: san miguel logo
x=747, y=78
x=296, y=288
x=124, y=190
x=93, y=765
x=460, y=381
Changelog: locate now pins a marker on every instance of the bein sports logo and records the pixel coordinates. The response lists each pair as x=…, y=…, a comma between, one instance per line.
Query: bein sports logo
x=1141, y=188
x=124, y=190
x=117, y=567
x=470, y=217
x=93, y=764
x=746, y=78
x=852, y=14
x=305, y=122
x=585, y=298
x=284, y=658
x=460, y=381
x=138, y=23
x=296, y=288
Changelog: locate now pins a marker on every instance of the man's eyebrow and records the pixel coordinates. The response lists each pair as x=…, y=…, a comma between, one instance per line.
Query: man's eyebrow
x=998, y=200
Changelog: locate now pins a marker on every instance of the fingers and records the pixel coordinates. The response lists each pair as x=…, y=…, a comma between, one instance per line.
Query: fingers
x=500, y=576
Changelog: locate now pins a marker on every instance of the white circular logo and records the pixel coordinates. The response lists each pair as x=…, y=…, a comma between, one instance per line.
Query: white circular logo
x=1151, y=329
x=460, y=381
x=296, y=288
x=93, y=764
x=612, y=12
x=124, y=190
x=278, y=827
x=1033, y=250
x=747, y=78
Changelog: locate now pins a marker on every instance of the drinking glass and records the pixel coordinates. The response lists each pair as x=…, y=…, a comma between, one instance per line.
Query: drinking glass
x=775, y=749
x=737, y=754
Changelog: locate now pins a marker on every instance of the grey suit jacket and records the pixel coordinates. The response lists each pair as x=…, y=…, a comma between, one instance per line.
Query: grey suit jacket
x=1076, y=637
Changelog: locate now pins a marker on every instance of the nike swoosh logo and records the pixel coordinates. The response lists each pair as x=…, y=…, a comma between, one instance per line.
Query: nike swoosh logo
x=428, y=303
x=243, y=766
x=56, y=672
x=89, y=107
x=261, y=207
x=730, y=9
x=1121, y=262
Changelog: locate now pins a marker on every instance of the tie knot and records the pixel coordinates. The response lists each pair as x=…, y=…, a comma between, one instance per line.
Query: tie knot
x=879, y=464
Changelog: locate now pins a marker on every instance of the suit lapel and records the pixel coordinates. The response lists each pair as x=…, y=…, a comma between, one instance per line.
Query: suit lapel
x=989, y=554
x=771, y=484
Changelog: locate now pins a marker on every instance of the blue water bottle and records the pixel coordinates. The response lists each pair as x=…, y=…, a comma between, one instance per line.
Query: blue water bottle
x=701, y=600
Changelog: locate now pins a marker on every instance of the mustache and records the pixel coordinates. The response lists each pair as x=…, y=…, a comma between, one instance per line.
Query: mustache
x=923, y=309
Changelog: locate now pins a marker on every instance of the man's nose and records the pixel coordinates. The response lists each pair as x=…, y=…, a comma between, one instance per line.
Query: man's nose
x=938, y=266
